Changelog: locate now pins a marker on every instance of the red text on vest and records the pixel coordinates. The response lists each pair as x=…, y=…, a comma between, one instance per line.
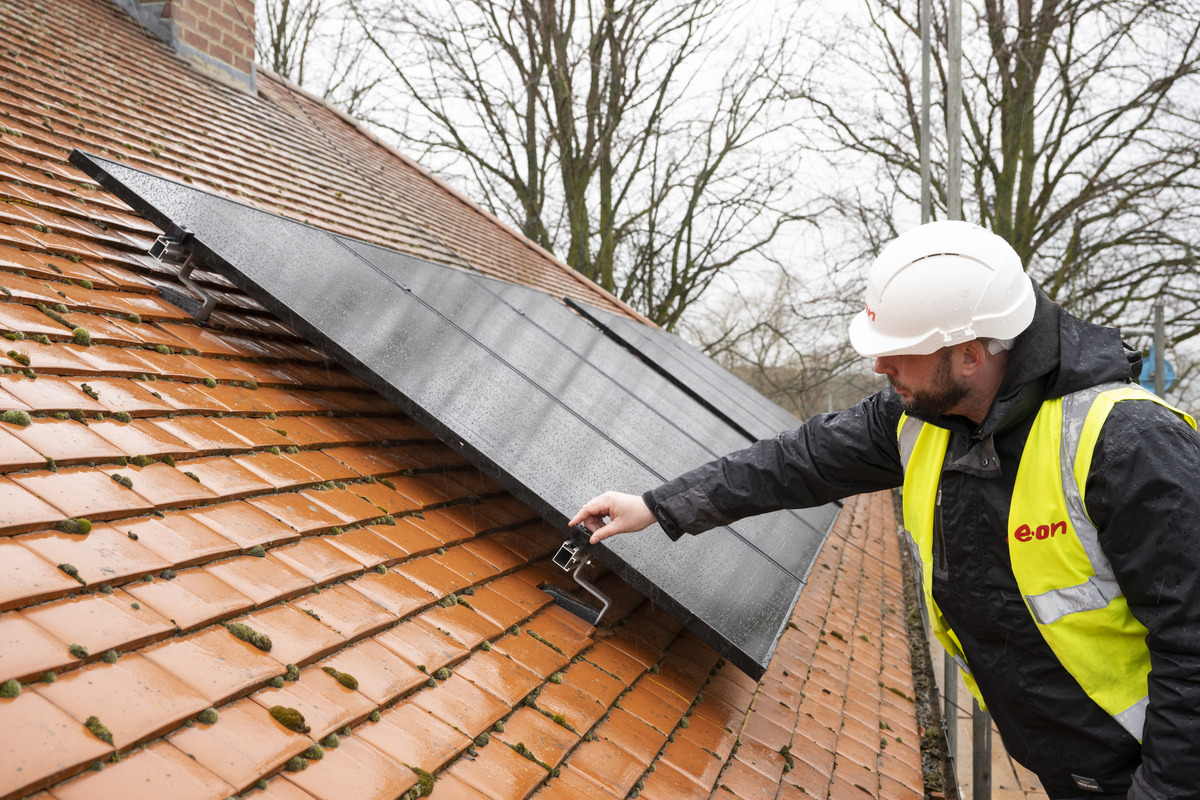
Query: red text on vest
x=1026, y=534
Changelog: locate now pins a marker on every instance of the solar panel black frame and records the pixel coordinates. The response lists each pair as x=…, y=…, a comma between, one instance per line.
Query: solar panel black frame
x=740, y=614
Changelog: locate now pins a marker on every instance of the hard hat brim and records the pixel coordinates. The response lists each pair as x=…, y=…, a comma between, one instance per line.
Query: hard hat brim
x=870, y=343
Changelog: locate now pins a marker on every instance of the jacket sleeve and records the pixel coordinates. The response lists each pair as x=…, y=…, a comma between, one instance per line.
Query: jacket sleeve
x=1142, y=494
x=829, y=457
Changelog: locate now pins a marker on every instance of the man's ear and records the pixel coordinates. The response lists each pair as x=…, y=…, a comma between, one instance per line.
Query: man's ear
x=971, y=358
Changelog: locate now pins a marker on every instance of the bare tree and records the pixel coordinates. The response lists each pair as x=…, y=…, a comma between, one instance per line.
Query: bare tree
x=316, y=45
x=1082, y=141
x=637, y=139
x=788, y=341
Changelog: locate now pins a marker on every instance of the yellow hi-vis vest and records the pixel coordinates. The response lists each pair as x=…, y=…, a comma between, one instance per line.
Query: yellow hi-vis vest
x=1062, y=573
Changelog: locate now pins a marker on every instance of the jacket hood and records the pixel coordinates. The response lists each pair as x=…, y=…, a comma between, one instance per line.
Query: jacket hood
x=1065, y=354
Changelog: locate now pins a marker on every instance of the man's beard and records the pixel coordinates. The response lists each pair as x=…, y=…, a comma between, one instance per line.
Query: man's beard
x=943, y=395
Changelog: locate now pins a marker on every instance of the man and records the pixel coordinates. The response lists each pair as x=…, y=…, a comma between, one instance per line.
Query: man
x=1053, y=507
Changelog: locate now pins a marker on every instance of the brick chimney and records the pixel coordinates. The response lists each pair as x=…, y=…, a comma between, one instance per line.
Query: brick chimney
x=214, y=36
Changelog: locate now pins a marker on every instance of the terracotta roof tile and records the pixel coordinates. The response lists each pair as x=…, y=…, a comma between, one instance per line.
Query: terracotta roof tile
x=28, y=578
x=594, y=682
x=244, y=744
x=326, y=705
x=205, y=436
x=317, y=560
x=120, y=394
x=529, y=542
x=66, y=441
x=296, y=637
x=106, y=555
x=41, y=744
x=668, y=783
x=547, y=626
x=215, y=665
x=693, y=761
x=463, y=562
x=546, y=739
x=300, y=511
x=499, y=772
x=16, y=317
x=432, y=576
x=406, y=536
x=354, y=769
x=115, y=361
x=136, y=700
x=279, y=471
x=226, y=478
x=369, y=548
x=575, y=785
x=161, y=770
x=531, y=654
x=495, y=556
x=244, y=524
x=346, y=611
x=84, y=492
x=493, y=606
x=381, y=674
x=162, y=485
x=186, y=398
x=411, y=735
x=264, y=579
x=448, y=787
x=467, y=626
x=579, y=710
x=395, y=592
x=48, y=393
x=28, y=651
x=517, y=591
x=177, y=538
x=22, y=510
x=631, y=734
x=499, y=676
x=608, y=765
x=422, y=646
x=460, y=703
x=255, y=433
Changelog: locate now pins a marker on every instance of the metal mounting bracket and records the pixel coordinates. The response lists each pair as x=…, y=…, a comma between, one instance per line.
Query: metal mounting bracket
x=167, y=247
x=571, y=556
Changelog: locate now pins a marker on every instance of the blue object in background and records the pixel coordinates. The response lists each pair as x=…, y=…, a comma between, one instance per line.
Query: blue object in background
x=1147, y=378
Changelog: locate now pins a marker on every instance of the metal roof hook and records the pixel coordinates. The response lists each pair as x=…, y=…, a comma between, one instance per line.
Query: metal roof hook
x=173, y=248
x=574, y=558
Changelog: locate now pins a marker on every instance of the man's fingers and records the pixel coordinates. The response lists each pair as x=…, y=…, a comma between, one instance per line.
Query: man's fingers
x=603, y=532
x=593, y=510
x=624, y=513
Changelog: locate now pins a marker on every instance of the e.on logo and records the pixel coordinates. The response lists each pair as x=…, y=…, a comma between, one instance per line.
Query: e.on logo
x=1026, y=534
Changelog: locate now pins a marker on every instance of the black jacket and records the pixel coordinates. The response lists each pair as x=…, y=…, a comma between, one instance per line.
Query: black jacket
x=1143, y=494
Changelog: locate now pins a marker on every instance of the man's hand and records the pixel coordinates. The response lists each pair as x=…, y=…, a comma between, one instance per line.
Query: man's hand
x=626, y=513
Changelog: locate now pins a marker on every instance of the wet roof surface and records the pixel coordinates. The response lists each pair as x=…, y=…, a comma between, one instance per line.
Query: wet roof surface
x=267, y=532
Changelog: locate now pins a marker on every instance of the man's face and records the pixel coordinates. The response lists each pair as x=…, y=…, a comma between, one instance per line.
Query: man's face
x=926, y=384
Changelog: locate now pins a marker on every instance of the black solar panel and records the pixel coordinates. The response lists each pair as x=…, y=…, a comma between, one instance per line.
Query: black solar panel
x=523, y=387
x=687, y=367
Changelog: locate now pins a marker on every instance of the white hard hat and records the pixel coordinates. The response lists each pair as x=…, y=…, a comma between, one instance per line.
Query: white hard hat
x=941, y=284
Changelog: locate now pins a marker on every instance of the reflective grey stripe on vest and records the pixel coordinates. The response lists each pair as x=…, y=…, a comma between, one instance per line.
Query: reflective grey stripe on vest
x=1099, y=590
x=1133, y=719
x=908, y=440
